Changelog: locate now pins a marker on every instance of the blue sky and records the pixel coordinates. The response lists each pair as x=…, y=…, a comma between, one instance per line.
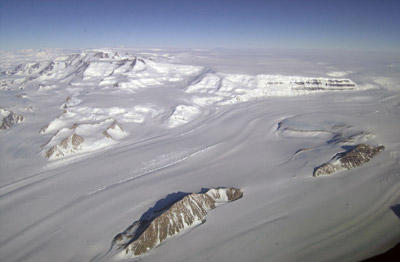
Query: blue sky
x=310, y=24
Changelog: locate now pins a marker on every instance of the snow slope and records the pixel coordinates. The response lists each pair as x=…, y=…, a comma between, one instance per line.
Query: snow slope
x=128, y=130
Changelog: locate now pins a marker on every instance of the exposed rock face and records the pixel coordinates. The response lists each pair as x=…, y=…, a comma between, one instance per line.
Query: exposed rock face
x=29, y=68
x=68, y=140
x=101, y=55
x=68, y=145
x=11, y=120
x=325, y=84
x=188, y=212
x=47, y=69
x=113, y=130
x=359, y=155
x=314, y=84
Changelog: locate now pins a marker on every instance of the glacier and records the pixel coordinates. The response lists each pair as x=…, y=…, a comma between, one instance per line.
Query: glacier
x=93, y=139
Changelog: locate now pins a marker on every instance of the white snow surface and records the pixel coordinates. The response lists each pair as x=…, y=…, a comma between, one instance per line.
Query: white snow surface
x=194, y=119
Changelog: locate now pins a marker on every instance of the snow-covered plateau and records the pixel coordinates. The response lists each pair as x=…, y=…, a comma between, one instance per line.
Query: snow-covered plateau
x=121, y=154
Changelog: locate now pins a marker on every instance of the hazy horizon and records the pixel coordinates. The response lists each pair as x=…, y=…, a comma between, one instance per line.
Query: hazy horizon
x=339, y=25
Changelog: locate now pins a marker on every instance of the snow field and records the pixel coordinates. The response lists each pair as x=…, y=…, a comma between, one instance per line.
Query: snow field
x=179, y=128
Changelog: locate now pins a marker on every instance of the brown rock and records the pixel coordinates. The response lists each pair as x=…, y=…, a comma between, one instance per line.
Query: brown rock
x=359, y=155
x=189, y=211
x=71, y=142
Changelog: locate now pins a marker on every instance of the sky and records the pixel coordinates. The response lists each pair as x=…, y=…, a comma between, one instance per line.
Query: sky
x=308, y=24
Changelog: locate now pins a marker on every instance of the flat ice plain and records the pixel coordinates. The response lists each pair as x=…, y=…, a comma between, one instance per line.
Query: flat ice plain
x=105, y=134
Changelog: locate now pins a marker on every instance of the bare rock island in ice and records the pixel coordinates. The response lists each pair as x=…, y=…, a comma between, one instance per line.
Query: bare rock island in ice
x=10, y=119
x=359, y=155
x=186, y=213
x=338, y=135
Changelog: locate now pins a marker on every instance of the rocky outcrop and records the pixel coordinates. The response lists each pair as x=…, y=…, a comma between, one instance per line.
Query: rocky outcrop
x=25, y=69
x=68, y=145
x=48, y=68
x=10, y=120
x=68, y=140
x=188, y=212
x=323, y=84
x=313, y=84
x=359, y=155
x=114, y=130
x=101, y=55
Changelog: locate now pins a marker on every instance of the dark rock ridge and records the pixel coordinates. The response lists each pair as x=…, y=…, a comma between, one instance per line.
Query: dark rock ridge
x=359, y=155
x=24, y=69
x=311, y=84
x=188, y=212
x=115, y=126
x=11, y=120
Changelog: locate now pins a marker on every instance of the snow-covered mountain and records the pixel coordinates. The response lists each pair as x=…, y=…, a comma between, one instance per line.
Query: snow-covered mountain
x=93, y=140
x=99, y=75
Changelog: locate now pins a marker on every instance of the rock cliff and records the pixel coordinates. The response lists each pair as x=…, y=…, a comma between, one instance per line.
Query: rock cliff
x=188, y=212
x=359, y=155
